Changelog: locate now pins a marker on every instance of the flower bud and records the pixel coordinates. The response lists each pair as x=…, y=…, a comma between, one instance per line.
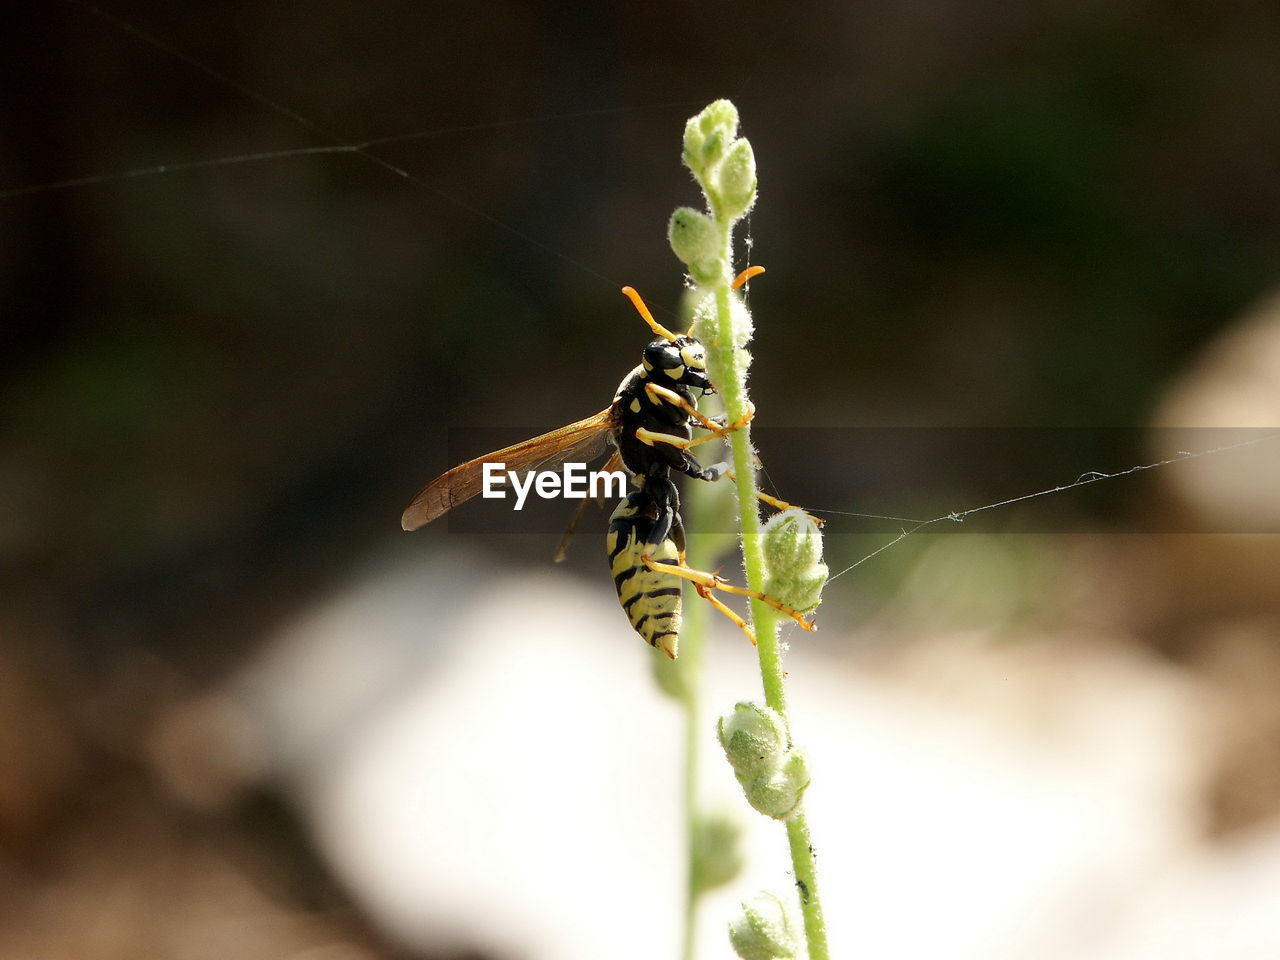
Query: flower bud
x=764, y=930
x=754, y=737
x=707, y=272
x=777, y=793
x=793, y=554
x=727, y=359
x=707, y=136
x=716, y=850
x=693, y=236
x=736, y=181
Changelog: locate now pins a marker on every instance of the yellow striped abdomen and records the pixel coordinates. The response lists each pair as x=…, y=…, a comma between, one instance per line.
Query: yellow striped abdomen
x=650, y=598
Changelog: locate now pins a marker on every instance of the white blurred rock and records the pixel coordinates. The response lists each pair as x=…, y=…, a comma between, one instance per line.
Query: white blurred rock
x=486, y=763
x=1229, y=395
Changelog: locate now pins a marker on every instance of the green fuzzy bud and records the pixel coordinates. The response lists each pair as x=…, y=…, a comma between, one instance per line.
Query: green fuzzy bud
x=707, y=136
x=693, y=236
x=793, y=555
x=802, y=594
x=726, y=362
x=736, y=181
x=778, y=793
x=701, y=149
x=703, y=312
x=707, y=272
x=754, y=738
x=716, y=851
x=740, y=318
x=764, y=930
x=772, y=773
x=792, y=540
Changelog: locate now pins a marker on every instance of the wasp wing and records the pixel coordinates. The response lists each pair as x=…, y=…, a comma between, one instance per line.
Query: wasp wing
x=585, y=439
x=562, y=551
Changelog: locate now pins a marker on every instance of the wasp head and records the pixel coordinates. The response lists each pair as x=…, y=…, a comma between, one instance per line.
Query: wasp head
x=682, y=360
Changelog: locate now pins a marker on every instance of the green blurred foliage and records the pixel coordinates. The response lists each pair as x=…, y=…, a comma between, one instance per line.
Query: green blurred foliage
x=970, y=216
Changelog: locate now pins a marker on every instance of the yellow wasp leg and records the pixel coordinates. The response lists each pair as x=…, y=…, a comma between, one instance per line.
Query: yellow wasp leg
x=709, y=581
x=562, y=550
x=781, y=504
x=778, y=504
x=706, y=593
x=645, y=435
x=658, y=392
x=717, y=431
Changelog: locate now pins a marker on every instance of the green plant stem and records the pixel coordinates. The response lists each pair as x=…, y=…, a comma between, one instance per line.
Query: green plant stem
x=733, y=389
x=806, y=871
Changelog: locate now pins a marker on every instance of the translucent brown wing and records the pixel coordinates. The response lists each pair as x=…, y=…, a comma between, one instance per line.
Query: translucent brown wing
x=562, y=551
x=585, y=439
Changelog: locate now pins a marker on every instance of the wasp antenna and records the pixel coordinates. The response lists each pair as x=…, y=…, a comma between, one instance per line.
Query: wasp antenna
x=654, y=325
x=746, y=275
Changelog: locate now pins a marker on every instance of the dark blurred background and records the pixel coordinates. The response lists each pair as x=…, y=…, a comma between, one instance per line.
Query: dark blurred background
x=221, y=384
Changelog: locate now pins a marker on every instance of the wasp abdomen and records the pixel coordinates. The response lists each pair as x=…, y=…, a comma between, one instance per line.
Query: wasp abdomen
x=650, y=598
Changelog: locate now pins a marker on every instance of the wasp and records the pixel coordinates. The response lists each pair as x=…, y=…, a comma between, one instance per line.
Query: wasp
x=650, y=426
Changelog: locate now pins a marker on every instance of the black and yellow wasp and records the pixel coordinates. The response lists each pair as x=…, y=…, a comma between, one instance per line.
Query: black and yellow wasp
x=650, y=426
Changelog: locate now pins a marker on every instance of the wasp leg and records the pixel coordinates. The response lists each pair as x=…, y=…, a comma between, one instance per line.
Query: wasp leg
x=683, y=460
x=712, y=582
x=650, y=437
x=677, y=455
x=779, y=504
x=724, y=429
x=708, y=594
x=562, y=550
x=784, y=505
x=645, y=435
x=720, y=429
x=667, y=524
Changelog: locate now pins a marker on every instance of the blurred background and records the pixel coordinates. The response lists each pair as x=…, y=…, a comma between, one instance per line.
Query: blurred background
x=243, y=715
